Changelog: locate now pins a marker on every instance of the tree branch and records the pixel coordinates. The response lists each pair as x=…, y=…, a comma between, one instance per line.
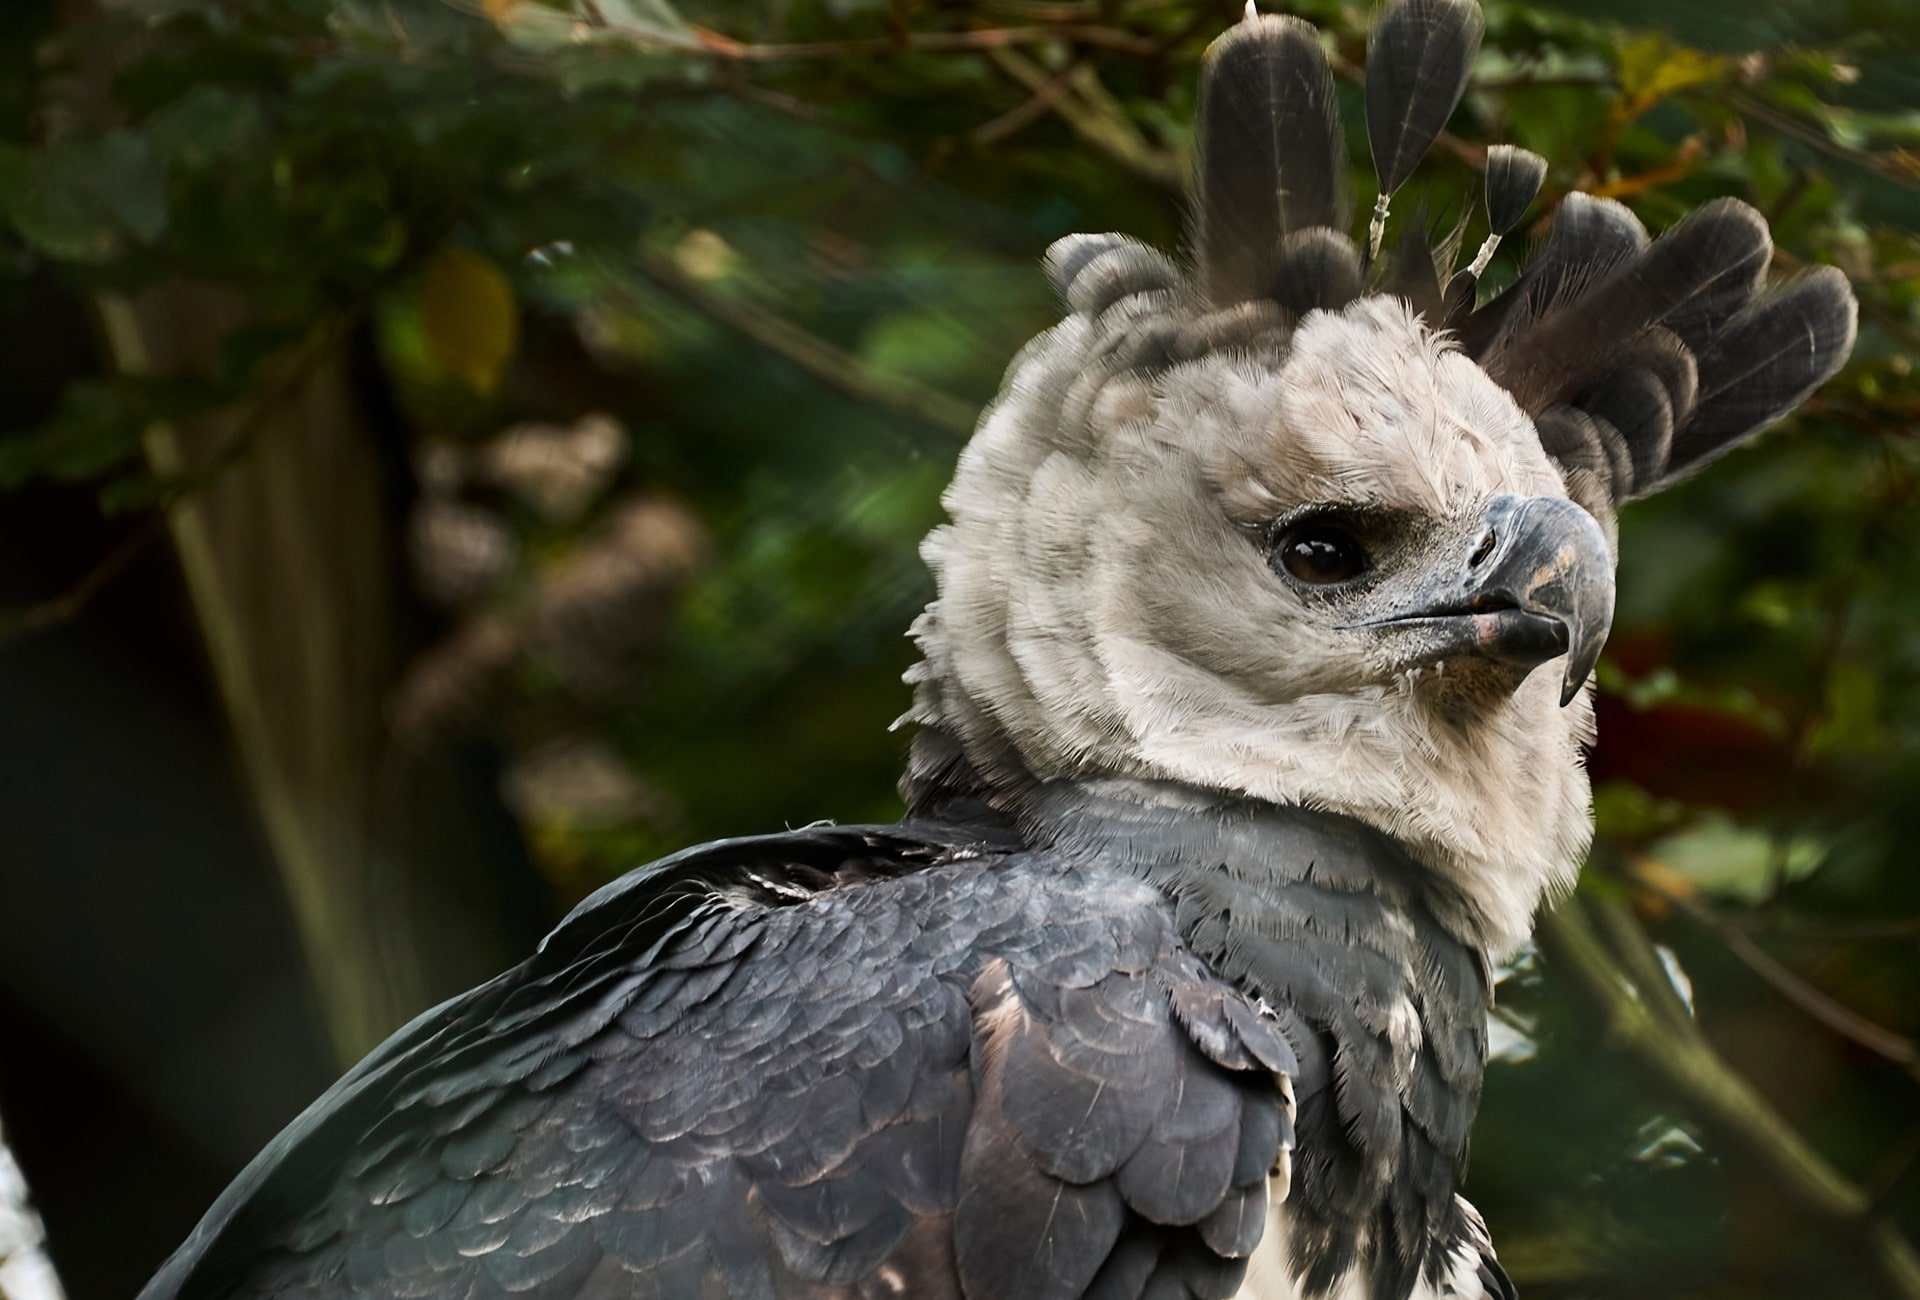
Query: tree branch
x=1023, y=114
x=833, y=365
x=71, y=603
x=1695, y=1076
x=1847, y=1023
x=707, y=43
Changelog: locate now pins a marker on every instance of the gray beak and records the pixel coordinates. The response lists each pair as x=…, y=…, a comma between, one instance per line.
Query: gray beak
x=1535, y=584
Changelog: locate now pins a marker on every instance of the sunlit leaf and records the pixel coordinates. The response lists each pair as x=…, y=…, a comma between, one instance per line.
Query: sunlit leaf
x=1652, y=67
x=1852, y=720
x=1717, y=855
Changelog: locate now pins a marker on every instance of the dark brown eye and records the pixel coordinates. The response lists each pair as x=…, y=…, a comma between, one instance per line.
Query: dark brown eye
x=1322, y=554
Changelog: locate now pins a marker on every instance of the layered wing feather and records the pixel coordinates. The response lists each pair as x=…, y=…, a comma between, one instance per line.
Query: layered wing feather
x=831, y=1063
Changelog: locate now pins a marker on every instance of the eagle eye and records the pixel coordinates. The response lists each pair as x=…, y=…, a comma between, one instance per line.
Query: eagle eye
x=1322, y=554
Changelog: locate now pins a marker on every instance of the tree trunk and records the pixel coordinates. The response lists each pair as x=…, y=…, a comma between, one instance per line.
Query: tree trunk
x=289, y=556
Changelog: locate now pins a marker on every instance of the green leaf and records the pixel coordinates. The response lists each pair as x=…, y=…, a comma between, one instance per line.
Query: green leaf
x=79, y=200
x=205, y=126
x=131, y=181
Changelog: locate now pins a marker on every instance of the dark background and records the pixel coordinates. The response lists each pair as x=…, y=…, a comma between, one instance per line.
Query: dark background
x=451, y=453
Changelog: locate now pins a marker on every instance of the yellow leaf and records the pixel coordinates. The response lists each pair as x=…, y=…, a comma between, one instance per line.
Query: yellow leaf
x=468, y=318
x=704, y=255
x=1653, y=67
x=1659, y=876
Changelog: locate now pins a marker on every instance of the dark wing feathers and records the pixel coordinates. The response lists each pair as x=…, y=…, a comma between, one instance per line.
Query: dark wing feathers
x=717, y=1080
x=1082, y=1084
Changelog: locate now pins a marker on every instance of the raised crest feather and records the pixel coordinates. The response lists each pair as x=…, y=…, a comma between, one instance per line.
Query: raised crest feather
x=1514, y=176
x=1419, y=57
x=1319, y=269
x=1765, y=362
x=1601, y=289
x=1638, y=358
x=1272, y=159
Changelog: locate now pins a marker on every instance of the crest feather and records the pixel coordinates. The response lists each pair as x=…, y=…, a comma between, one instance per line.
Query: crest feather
x=1419, y=57
x=1272, y=159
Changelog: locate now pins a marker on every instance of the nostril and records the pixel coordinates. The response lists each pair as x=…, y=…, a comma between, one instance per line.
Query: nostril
x=1484, y=550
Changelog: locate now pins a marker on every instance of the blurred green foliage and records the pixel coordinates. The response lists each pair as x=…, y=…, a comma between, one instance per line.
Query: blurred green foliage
x=783, y=244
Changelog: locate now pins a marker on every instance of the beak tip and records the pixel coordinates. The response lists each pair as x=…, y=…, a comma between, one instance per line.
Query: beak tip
x=1579, y=669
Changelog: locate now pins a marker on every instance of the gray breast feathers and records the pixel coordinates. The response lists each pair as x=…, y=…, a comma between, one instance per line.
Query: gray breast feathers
x=1330, y=923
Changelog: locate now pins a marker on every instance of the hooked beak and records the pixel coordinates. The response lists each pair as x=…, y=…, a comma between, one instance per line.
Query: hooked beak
x=1536, y=584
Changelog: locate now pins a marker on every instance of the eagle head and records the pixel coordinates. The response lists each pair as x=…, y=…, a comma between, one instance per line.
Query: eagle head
x=1301, y=523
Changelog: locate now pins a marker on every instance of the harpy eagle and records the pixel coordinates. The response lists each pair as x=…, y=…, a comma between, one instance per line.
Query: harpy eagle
x=1250, y=724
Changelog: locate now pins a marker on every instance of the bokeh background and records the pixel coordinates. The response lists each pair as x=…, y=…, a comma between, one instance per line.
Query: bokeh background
x=452, y=451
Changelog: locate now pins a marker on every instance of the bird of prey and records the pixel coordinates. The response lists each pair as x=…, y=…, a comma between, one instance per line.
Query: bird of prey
x=1250, y=724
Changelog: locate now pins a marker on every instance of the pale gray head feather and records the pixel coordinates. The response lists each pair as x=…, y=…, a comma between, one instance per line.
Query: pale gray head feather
x=1105, y=609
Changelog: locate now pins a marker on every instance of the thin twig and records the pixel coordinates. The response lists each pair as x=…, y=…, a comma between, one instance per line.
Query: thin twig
x=717, y=45
x=1086, y=107
x=974, y=41
x=58, y=610
x=1039, y=11
x=1072, y=11
x=1899, y=1166
x=1889, y=166
x=1544, y=81
x=1821, y=929
x=816, y=356
x=1805, y=723
x=1691, y=151
x=1021, y=115
x=1847, y=1023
